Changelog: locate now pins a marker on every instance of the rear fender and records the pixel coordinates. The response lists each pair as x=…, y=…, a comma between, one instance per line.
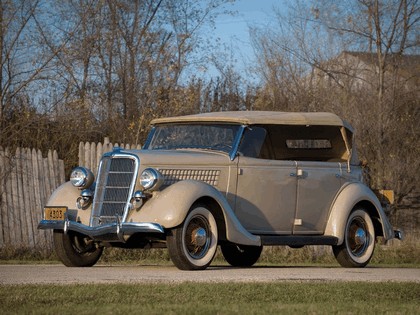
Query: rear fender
x=350, y=196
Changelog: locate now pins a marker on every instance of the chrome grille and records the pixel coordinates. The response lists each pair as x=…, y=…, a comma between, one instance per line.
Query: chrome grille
x=113, y=188
x=172, y=176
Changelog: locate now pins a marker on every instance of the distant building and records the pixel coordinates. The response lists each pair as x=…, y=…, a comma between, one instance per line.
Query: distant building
x=358, y=70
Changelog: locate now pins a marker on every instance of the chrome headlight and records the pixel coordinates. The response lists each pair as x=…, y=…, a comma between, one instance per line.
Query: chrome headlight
x=81, y=177
x=151, y=179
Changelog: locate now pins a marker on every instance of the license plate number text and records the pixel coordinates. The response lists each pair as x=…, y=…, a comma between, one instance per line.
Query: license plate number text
x=55, y=213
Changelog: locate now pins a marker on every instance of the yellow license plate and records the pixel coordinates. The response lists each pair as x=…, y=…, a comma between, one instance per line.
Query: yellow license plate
x=55, y=213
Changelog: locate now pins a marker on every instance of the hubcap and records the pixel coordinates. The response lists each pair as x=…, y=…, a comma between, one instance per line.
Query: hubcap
x=357, y=238
x=360, y=237
x=199, y=237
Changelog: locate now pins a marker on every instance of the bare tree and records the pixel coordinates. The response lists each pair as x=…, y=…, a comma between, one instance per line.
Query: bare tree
x=18, y=68
x=82, y=63
x=25, y=68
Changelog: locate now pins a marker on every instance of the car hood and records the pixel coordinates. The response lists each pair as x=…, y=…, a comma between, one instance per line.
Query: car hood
x=190, y=158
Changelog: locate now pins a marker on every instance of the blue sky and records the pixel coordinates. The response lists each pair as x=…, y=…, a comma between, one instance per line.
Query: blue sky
x=233, y=31
x=248, y=12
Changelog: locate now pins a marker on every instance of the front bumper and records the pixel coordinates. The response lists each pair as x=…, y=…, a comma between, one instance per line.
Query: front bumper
x=118, y=231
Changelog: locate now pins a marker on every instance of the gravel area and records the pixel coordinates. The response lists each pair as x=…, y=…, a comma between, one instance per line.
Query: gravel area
x=59, y=274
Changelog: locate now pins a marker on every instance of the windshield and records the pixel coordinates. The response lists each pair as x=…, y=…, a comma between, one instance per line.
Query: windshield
x=218, y=137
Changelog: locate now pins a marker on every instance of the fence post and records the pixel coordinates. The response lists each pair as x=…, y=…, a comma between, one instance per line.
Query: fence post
x=45, y=236
x=28, y=198
x=36, y=203
x=99, y=152
x=3, y=208
x=14, y=207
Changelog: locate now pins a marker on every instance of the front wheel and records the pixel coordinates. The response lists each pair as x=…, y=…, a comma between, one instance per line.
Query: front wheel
x=193, y=244
x=76, y=250
x=241, y=255
x=359, y=241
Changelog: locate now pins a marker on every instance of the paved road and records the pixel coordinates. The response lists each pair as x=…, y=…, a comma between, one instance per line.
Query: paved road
x=58, y=274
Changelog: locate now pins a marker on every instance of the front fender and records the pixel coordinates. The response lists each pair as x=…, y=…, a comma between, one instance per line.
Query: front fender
x=170, y=207
x=347, y=199
x=66, y=195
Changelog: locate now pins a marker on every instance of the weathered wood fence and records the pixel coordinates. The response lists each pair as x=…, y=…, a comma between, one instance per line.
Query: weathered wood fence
x=27, y=179
x=90, y=153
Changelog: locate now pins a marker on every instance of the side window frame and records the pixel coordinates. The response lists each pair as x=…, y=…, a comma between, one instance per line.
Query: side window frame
x=254, y=143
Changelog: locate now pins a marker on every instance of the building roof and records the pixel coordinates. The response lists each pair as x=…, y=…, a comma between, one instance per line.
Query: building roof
x=260, y=117
x=408, y=64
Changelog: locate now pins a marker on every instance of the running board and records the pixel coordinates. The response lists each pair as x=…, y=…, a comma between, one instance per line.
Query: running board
x=298, y=240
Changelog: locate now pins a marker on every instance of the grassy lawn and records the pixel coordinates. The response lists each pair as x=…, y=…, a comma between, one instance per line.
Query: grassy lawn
x=309, y=297
x=193, y=298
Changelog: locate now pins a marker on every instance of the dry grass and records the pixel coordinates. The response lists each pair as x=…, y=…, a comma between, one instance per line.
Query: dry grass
x=395, y=253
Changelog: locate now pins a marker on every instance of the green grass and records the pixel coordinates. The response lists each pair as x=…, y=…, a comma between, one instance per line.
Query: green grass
x=193, y=298
x=220, y=298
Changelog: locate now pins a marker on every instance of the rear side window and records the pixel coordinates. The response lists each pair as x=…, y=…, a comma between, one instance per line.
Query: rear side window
x=295, y=142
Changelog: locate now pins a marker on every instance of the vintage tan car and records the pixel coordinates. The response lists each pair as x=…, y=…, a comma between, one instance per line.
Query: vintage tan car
x=241, y=180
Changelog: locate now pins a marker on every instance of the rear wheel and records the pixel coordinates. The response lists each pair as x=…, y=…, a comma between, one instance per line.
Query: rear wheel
x=241, y=255
x=76, y=250
x=359, y=241
x=193, y=244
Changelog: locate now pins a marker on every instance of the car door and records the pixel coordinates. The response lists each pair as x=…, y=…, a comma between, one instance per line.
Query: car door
x=266, y=195
x=317, y=185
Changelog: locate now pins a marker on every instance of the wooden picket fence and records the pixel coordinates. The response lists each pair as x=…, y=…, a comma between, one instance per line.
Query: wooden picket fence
x=27, y=179
x=90, y=153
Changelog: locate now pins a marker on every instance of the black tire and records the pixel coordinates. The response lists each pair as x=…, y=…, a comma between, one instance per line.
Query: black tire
x=193, y=244
x=76, y=250
x=241, y=255
x=359, y=241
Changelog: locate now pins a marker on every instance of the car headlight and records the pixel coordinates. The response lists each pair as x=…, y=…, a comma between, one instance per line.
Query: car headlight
x=151, y=179
x=81, y=177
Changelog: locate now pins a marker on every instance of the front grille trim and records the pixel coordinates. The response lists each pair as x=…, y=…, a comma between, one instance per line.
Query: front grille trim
x=115, y=186
x=174, y=175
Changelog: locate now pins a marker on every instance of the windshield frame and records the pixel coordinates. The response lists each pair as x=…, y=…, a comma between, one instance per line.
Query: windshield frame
x=235, y=144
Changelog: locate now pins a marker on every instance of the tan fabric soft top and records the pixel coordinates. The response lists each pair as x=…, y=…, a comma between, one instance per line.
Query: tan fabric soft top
x=261, y=117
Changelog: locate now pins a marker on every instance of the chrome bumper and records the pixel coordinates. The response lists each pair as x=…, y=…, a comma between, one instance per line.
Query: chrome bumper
x=118, y=230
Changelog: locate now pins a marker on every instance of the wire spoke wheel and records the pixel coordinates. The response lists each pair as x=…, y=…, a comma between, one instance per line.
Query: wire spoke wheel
x=359, y=240
x=197, y=237
x=358, y=237
x=193, y=244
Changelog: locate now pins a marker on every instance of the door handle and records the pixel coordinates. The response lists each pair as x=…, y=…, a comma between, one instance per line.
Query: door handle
x=299, y=173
